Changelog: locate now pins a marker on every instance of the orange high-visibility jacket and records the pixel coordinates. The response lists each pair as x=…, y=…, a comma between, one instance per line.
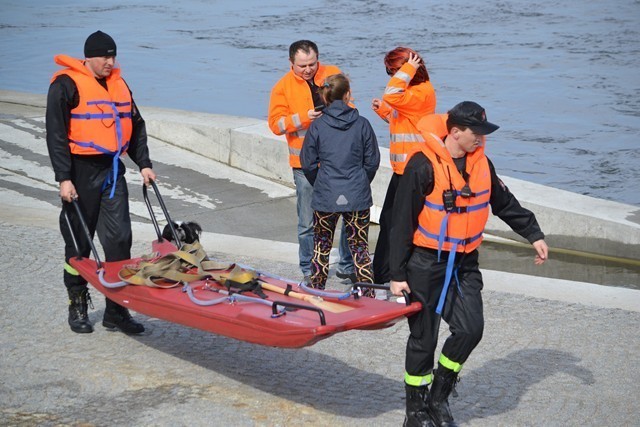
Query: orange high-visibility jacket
x=101, y=123
x=289, y=105
x=404, y=106
x=461, y=228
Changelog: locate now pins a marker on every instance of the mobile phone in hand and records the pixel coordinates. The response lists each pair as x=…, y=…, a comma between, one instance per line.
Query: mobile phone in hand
x=319, y=107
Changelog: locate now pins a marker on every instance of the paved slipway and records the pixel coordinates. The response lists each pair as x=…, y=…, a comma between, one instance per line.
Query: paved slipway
x=554, y=352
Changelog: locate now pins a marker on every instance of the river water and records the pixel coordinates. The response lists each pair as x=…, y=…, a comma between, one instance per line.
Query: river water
x=560, y=78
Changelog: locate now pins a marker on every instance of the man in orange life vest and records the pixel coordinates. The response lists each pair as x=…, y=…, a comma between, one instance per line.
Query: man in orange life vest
x=439, y=214
x=294, y=104
x=91, y=120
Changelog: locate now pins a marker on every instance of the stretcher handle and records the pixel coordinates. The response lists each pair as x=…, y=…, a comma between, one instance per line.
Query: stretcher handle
x=357, y=285
x=145, y=195
x=274, y=309
x=76, y=205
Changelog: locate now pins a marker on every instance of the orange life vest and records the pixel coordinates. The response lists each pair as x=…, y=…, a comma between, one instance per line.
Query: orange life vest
x=403, y=106
x=101, y=123
x=289, y=105
x=459, y=230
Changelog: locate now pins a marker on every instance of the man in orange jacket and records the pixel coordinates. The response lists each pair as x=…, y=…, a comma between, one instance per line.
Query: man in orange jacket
x=440, y=210
x=294, y=104
x=91, y=121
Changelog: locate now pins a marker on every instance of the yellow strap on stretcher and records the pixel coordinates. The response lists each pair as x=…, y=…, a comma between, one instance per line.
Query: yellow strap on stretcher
x=170, y=270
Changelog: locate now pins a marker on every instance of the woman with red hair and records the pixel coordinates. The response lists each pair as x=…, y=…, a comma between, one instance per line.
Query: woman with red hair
x=408, y=97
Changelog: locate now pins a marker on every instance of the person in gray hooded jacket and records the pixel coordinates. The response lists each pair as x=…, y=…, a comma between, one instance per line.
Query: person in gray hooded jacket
x=340, y=157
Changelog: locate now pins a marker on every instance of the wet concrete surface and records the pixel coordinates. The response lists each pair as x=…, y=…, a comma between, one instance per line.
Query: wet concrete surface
x=541, y=362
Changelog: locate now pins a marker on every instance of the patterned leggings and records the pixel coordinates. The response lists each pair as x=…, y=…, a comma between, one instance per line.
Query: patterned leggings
x=357, y=228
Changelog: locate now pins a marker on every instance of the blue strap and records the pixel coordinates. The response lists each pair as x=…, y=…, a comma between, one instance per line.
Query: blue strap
x=450, y=271
x=107, y=102
x=106, y=182
x=450, y=261
x=447, y=279
x=95, y=146
x=455, y=274
x=457, y=209
x=89, y=116
x=116, y=157
x=450, y=239
x=443, y=234
x=479, y=193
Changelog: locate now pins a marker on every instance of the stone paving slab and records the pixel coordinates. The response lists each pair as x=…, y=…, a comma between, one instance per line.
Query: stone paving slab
x=541, y=362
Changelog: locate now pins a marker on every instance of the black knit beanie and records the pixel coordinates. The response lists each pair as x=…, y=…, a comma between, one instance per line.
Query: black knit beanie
x=99, y=44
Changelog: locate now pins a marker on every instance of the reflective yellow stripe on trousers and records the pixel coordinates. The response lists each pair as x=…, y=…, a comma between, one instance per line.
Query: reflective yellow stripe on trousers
x=417, y=381
x=450, y=364
x=70, y=269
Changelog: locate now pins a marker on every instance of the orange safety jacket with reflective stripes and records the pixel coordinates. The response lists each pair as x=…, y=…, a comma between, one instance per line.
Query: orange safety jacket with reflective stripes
x=289, y=105
x=101, y=123
x=402, y=108
x=459, y=230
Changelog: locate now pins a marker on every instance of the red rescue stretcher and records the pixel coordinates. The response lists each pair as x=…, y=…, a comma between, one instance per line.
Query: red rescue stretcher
x=274, y=311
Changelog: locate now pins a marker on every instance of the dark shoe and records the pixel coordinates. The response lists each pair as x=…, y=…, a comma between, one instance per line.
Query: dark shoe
x=78, y=307
x=118, y=317
x=444, y=380
x=416, y=415
x=351, y=276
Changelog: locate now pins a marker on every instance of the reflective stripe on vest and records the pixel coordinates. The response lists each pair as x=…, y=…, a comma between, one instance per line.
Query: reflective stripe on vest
x=299, y=133
x=399, y=144
x=296, y=120
x=389, y=90
x=406, y=137
x=398, y=158
x=294, y=151
x=403, y=76
x=282, y=125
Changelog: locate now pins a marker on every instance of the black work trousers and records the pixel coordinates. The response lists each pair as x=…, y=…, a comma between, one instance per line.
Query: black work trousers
x=108, y=216
x=462, y=309
x=381, y=272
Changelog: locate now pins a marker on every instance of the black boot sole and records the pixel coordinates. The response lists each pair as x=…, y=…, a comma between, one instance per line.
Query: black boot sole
x=435, y=423
x=112, y=327
x=82, y=329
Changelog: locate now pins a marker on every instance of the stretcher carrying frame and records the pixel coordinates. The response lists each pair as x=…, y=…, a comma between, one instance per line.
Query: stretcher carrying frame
x=291, y=316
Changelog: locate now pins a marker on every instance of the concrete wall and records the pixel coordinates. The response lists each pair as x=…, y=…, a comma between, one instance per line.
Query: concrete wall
x=570, y=221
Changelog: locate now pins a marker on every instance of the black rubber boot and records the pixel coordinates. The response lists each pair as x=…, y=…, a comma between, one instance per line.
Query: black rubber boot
x=417, y=398
x=118, y=317
x=438, y=405
x=79, y=301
